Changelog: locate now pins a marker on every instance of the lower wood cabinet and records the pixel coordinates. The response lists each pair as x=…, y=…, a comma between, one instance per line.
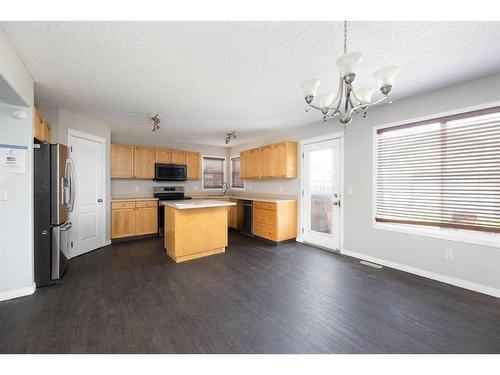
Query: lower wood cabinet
x=275, y=221
x=133, y=218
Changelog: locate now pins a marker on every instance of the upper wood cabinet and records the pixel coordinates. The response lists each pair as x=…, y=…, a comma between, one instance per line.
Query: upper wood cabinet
x=163, y=155
x=144, y=162
x=193, y=165
x=278, y=160
x=122, y=161
x=42, y=130
x=179, y=157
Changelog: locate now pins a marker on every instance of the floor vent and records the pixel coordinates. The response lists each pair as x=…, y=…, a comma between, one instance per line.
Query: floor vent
x=370, y=264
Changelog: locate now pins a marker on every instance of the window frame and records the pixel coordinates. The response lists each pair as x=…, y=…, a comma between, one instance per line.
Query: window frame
x=231, y=174
x=489, y=239
x=224, y=172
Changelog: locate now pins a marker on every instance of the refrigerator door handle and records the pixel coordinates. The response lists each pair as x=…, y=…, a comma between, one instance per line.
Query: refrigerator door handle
x=72, y=192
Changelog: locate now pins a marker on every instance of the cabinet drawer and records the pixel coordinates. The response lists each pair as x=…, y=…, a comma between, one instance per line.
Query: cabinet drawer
x=143, y=204
x=264, y=216
x=120, y=205
x=265, y=231
x=265, y=205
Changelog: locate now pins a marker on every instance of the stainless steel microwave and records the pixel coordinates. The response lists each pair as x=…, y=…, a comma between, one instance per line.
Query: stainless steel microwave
x=170, y=172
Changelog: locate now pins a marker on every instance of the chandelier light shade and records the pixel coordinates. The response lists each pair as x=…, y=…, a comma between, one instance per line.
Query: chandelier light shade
x=349, y=64
x=348, y=100
x=309, y=89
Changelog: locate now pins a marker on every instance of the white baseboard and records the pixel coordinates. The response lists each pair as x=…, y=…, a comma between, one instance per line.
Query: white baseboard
x=10, y=294
x=428, y=274
x=106, y=243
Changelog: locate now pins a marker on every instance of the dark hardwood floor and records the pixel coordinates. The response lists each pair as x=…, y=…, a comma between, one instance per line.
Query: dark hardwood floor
x=255, y=298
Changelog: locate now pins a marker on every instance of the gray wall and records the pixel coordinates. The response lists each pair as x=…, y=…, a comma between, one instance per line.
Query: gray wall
x=472, y=263
x=137, y=188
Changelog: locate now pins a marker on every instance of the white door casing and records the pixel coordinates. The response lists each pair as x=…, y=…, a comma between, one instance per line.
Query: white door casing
x=322, y=193
x=88, y=216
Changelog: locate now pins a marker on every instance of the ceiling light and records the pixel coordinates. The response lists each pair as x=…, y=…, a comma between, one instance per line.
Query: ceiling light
x=156, y=122
x=348, y=101
x=230, y=136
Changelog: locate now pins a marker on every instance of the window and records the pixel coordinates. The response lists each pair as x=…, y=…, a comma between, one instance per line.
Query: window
x=213, y=172
x=442, y=173
x=236, y=182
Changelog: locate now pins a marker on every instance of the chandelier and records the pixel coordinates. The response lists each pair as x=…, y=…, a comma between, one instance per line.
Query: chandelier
x=348, y=100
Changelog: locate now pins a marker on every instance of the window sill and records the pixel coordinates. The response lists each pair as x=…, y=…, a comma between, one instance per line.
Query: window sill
x=457, y=235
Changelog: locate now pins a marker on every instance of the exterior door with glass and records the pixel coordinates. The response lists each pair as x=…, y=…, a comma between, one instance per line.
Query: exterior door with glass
x=321, y=194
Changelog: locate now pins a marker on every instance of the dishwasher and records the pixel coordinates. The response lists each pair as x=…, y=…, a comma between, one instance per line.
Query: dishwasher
x=244, y=209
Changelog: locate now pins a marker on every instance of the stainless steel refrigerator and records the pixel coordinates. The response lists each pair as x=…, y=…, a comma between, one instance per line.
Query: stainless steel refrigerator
x=54, y=198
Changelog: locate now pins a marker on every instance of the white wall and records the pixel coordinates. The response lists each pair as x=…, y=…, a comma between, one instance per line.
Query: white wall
x=474, y=266
x=16, y=213
x=16, y=84
x=138, y=188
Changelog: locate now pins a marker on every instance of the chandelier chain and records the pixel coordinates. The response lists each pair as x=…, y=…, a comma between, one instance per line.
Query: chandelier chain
x=345, y=37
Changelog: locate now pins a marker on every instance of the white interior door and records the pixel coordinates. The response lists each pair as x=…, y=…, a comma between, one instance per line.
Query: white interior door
x=321, y=195
x=88, y=216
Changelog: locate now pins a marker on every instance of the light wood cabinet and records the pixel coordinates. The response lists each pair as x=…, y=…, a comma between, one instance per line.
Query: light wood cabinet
x=193, y=165
x=144, y=162
x=42, y=130
x=133, y=218
x=123, y=222
x=278, y=160
x=255, y=163
x=275, y=221
x=122, y=161
x=179, y=157
x=163, y=155
x=146, y=220
x=233, y=215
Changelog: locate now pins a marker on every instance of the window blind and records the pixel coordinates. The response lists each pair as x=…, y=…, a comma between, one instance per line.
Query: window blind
x=444, y=172
x=236, y=181
x=213, y=172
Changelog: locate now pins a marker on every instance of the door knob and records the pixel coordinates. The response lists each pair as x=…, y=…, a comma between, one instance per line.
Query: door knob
x=336, y=203
x=99, y=200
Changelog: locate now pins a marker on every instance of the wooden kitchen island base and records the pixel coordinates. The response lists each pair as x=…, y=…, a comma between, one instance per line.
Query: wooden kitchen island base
x=194, y=230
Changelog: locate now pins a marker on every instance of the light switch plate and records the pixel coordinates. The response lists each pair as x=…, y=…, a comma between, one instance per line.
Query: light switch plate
x=3, y=194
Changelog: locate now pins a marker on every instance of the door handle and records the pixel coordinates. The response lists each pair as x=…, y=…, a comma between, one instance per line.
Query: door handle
x=336, y=203
x=99, y=200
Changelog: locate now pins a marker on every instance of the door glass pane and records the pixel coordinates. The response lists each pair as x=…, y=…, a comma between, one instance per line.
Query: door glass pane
x=321, y=190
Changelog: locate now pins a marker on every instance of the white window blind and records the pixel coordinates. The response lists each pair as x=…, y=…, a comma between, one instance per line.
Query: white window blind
x=213, y=172
x=443, y=173
x=236, y=181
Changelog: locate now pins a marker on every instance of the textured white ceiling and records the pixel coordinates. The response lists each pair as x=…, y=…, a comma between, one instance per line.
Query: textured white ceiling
x=208, y=78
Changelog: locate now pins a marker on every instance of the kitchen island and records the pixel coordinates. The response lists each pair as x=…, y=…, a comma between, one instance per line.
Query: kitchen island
x=195, y=229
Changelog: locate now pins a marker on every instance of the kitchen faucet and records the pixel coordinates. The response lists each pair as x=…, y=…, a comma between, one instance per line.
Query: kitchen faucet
x=224, y=188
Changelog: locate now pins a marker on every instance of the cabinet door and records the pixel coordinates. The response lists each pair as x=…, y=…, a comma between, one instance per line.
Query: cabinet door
x=179, y=157
x=163, y=155
x=122, y=161
x=268, y=161
x=233, y=217
x=244, y=164
x=146, y=220
x=193, y=166
x=280, y=159
x=37, y=125
x=123, y=223
x=255, y=163
x=144, y=162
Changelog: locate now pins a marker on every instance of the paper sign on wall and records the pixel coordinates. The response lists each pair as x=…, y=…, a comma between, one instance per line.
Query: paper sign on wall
x=13, y=158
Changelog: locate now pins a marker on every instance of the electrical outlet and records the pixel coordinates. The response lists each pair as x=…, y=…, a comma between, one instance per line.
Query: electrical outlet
x=448, y=254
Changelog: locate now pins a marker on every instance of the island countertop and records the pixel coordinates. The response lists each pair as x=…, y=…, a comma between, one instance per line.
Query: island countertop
x=187, y=204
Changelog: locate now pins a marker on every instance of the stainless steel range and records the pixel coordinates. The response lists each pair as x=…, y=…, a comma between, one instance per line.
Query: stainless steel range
x=166, y=193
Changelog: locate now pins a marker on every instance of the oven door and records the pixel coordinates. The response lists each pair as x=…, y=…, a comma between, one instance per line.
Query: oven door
x=170, y=172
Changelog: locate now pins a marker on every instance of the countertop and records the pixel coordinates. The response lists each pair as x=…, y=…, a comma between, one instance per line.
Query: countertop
x=244, y=196
x=133, y=199
x=190, y=204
